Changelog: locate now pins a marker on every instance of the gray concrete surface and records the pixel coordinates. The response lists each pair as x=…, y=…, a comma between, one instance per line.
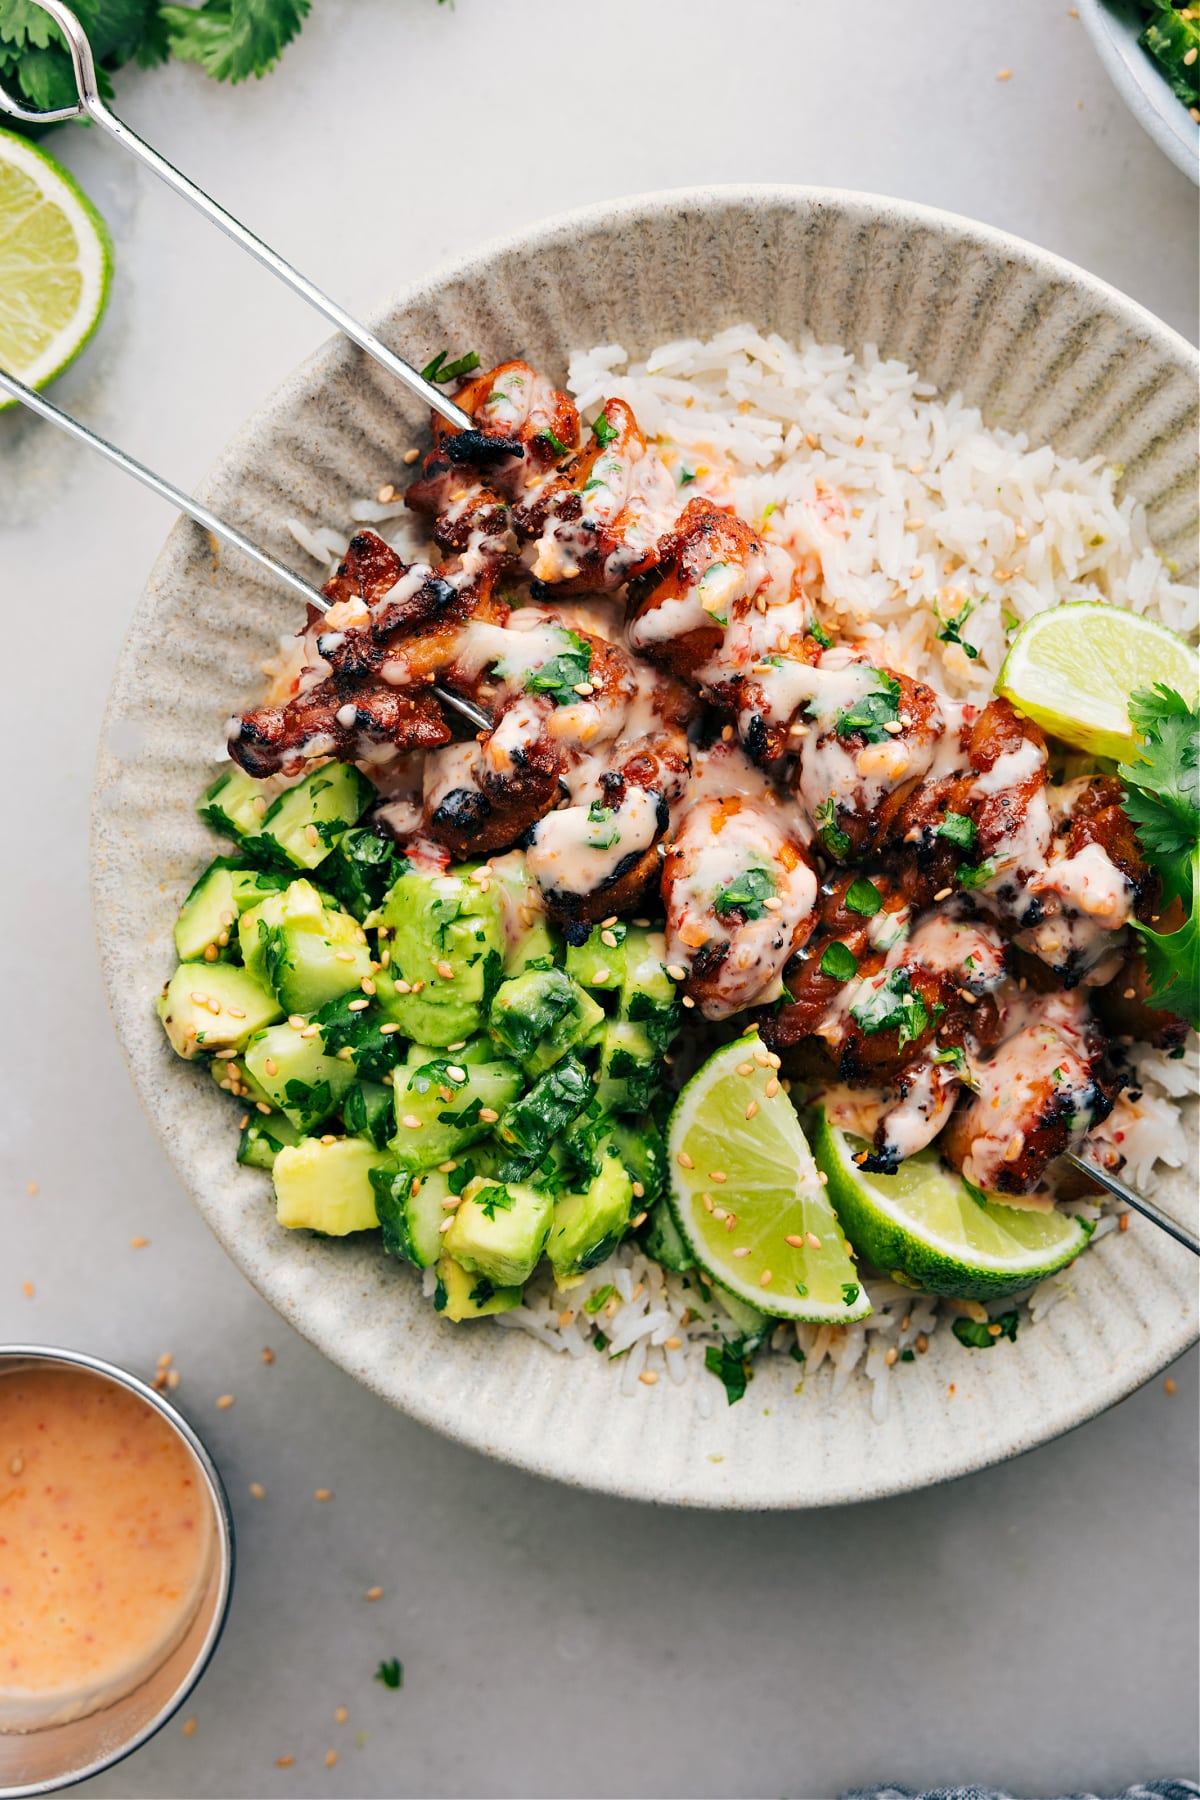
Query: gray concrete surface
x=1034, y=1626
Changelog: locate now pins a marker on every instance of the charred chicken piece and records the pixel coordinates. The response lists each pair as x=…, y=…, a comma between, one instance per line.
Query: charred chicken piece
x=740, y=894
x=343, y=717
x=1039, y=1094
x=524, y=425
x=1123, y=1008
x=484, y=796
x=598, y=522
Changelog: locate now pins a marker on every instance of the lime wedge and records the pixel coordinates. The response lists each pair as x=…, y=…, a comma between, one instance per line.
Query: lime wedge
x=784, y=1254
x=1073, y=668
x=55, y=265
x=926, y=1228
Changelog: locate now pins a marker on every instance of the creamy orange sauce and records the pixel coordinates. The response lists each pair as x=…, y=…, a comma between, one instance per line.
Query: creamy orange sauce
x=107, y=1539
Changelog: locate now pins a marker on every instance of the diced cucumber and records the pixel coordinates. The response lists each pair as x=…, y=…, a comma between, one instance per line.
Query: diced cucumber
x=367, y=1112
x=233, y=1077
x=531, y=1124
x=298, y=1075
x=597, y=964
x=661, y=1240
x=327, y=1187
x=460, y=1295
x=411, y=1210
x=644, y=1155
x=308, y=952
x=439, y=1103
x=234, y=805
x=747, y=1326
x=530, y=936
x=263, y=1138
x=214, y=1006
x=208, y=915
x=500, y=1230
x=537, y=1017
x=307, y=820
x=589, y=1226
x=360, y=869
x=447, y=941
x=630, y=1067
x=647, y=991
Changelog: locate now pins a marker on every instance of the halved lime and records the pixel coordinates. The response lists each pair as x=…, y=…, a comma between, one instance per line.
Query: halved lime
x=1073, y=668
x=55, y=264
x=747, y=1196
x=927, y=1228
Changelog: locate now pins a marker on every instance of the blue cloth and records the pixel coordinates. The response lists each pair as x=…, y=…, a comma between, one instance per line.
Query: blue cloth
x=1147, y=1790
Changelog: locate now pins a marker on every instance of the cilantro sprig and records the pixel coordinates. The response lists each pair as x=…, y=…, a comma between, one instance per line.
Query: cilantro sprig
x=894, y=1005
x=1162, y=798
x=869, y=715
x=746, y=894
x=562, y=673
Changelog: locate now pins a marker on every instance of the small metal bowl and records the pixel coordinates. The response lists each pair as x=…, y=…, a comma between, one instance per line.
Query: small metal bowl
x=41, y=1761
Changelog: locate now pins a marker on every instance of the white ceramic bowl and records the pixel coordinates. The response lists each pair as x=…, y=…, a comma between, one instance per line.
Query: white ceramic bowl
x=1039, y=345
x=1114, y=27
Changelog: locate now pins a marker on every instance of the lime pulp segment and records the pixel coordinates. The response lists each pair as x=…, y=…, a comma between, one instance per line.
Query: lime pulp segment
x=748, y=1198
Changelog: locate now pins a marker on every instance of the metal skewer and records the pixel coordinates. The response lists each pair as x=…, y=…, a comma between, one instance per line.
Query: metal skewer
x=91, y=104
x=1147, y=1208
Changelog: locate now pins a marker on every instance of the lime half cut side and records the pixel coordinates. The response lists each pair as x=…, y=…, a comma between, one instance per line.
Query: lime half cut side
x=1072, y=669
x=748, y=1198
x=55, y=265
x=927, y=1228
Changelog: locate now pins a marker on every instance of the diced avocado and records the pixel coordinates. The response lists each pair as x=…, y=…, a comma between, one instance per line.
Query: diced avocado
x=630, y=1067
x=500, y=1230
x=263, y=1138
x=540, y=1015
x=308, y=952
x=234, y=805
x=443, y=1105
x=459, y=1295
x=597, y=964
x=530, y=1125
x=367, y=1112
x=307, y=820
x=530, y=936
x=644, y=1154
x=298, y=1075
x=327, y=1187
x=661, y=1240
x=446, y=938
x=647, y=992
x=360, y=869
x=214, y=1006
x=589, y=1226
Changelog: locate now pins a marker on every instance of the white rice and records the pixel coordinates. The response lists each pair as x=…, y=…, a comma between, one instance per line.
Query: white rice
x=903, y=506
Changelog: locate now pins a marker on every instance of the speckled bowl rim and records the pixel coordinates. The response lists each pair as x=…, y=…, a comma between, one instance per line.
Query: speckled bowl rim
x=1142, y=85
x=1075, y=1405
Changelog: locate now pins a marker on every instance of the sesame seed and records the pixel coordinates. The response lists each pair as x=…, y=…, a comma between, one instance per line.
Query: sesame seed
x=138, y=1243
x=312, y=1031
x=1169, y=1383
x=742, y=1250
x=771, y=1088
x=812, y=1240
x=719, y=1213
x=731, y=1222
x=323, y=1494
x=340, y=1716
x=1003, y=74
x=211, y=953
x=199, y=999
x=648, y=1377
x=794, y=1240
x=345, y=1054
x=488, y=1115
x=773, y=905
x=823, y=1178
x=718, y=1175
x=673, y=1343
x=224, y=1402
x=1189, y=57
x=688, y=1002
x=446, y=971
x=312, y=834
x=330, y=1758
x=387, y=492
x=608, y=939
x=284, y=1762
x=890, y=1355
x=297, y=1021
x=329, y=1138
x=943, y=893
x=914, y=525
x=374, y=1593
x=353, y=1006
x=751, y=1109
x=676, y=972
x=639, y=1191
x=257, y=1491
x=922, y=1343
x=766, y=1278
x=271, y=1066
x=684, y=1160
x=387, y=1030
x=411, y=1122
x=188, y=1728
x=343, y=956
x=709, y=1203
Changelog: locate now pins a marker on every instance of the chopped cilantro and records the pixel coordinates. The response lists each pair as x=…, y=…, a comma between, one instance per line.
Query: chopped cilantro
x=482, y=1292
x=908, y=1356
x=745, y=894
x=555, y=443
x=867, y=716
x=979, y=1336
x=839, y=963
x=862, y=896
x=1162, y=798
x=818, y=631
x=797, y=1354
x=492, y=1200
x=849, y=1292
x=603, y=833
x=605, y=433
x=436, y=1074
x=391, y=1673
x=560, y=676
x=893, y=1006
x=950, y=630
x=600, y=1299
x=956, y=828
x=686, y=475
x=953, y=1055
x=976, y=875
x=833, y=838
x=731, y=1366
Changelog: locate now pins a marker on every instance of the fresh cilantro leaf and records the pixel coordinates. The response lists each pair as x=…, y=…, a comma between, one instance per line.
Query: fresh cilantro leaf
x=482, y=1292
x=731, y=1366
x=491, y=1200
x=605, y=433
x=958, y=829
x=436, y=1074
x=893, y=1006
x=833, y=838
x=976, y=875
x=745, y=894
x=954, y=1056
x=465, y=1118
x=797, y=1354
x=560, y=676
x=978, y=1336
x=372, y=1051
x=602, y=833
x=908, y=1356
x=391, y=1673
x=839, y=963
x=950, y=630
x=1163, y=784
x=863, y=897
x=686, y=476
x=818, y=631
x=232, y=39
x=849, y=1292
x=867, y=716
x=555, y=443
x=599, y=1300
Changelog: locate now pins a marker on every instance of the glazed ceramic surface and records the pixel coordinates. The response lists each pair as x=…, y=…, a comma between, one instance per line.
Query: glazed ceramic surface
x=1041, y=347
x=1114, y=27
